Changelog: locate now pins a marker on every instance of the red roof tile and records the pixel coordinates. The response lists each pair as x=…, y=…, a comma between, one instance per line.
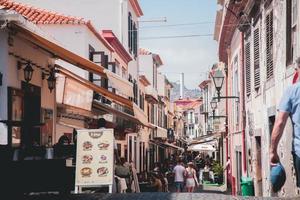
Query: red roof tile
x=40, y=16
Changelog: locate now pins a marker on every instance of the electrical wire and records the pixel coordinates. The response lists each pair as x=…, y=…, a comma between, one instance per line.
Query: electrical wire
x=175, y=25
x=175, y=36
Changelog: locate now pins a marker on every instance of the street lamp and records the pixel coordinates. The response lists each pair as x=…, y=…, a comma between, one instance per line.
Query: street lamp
x=213, y=105
x=218, y=79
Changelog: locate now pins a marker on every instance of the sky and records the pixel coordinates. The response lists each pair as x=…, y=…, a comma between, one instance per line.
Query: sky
x=192, y=56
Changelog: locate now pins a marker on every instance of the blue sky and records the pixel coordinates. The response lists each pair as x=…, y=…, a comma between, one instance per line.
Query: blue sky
x=194, y=55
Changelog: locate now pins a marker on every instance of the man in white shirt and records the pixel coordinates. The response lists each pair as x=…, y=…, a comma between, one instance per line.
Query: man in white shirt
x=179, y=172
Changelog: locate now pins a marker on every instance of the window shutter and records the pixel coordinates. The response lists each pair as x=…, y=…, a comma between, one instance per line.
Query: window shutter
x=256, y=59
x=248, y=67
x=269, y=44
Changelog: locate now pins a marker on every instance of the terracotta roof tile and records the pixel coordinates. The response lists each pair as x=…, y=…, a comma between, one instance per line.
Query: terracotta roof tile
x=40, y=16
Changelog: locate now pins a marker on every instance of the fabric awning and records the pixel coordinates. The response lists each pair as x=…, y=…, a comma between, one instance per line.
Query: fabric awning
x=173, y=146
x=109, y=109
x=110, y=95
x=122, y=85
x=202, y=148
x=60, y=52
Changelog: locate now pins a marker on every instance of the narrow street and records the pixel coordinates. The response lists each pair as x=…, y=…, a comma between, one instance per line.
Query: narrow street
x=151, y=196
x=140, y=99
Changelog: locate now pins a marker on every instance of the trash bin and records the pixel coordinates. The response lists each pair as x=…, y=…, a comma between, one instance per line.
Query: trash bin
x=247, y=186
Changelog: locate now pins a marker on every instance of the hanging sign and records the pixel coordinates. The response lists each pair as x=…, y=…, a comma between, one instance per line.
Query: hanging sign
x=94, y=158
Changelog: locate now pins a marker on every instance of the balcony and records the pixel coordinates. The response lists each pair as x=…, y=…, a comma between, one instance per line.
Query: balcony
x=161, y=133
x=151, y=95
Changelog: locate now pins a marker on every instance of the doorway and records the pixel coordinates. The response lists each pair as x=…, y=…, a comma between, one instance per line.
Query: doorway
x=238, y=170
x=258, y=166
x=271, y=125
x=32, y=115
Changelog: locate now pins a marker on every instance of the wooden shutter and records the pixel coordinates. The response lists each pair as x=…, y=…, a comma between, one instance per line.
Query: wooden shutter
x=256, y=58
x=248, y=67
x=269, y=44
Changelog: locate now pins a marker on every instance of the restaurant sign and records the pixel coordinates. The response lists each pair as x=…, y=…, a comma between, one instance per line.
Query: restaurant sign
x=94, y=158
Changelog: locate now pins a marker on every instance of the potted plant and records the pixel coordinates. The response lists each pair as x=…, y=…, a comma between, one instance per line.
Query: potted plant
x=218, y=172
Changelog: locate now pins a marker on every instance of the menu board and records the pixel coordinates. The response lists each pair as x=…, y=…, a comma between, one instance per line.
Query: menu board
x=95, y=157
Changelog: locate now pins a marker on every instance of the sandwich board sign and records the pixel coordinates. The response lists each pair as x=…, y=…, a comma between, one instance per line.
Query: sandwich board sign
x=94, y=159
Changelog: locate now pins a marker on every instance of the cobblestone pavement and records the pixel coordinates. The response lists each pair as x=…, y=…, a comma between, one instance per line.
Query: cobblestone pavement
x=145, y=196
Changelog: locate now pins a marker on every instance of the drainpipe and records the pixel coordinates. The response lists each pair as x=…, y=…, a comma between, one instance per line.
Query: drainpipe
x=242, y=101
x=229, y=145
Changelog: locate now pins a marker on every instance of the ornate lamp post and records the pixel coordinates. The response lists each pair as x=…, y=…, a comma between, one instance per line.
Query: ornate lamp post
x=218, y=79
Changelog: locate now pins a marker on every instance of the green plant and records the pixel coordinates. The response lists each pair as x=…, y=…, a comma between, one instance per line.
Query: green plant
x=217, y=169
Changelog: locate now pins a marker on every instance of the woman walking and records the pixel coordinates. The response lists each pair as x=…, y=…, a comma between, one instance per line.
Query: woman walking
x=191, y=178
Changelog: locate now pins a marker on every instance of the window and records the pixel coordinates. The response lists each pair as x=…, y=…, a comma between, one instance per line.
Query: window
x=155, y=75
x=291, y=22
x=96, y=57
x=236, y=91
x=269, y=45
x=124, y=73
x=248, y=68
x=135, y=92
x=256, y=59
x=142, y=100
x=132, y=36
x=130, y=32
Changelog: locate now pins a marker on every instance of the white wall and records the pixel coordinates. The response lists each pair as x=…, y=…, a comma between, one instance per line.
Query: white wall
x=161, y=84
x=146, y=67
x=12, y=77
x=3, y=89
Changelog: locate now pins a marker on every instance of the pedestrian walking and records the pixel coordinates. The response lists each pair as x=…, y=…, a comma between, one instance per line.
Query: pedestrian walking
x=191, y=178
x=289, y=106
x=179, y=172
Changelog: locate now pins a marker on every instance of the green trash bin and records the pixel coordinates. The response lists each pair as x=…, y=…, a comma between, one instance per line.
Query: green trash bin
x=247, y=186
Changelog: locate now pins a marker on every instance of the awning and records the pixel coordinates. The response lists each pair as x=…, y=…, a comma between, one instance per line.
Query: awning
x=173, y=146
x=122, y=85
x=60, y=52
x=151, y=95
x=109, y=109
x=110, y=95
x=202, y=148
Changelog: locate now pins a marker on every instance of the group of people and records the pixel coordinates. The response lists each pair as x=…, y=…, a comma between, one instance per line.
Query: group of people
x=185, y=176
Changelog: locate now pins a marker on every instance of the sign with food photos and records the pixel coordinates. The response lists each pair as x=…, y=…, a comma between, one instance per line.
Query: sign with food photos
x=95, y=157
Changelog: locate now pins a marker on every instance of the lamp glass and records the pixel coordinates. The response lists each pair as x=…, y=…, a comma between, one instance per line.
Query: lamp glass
x=28, y=72
x=218, y=79
x=51, y=81
x=213, y=104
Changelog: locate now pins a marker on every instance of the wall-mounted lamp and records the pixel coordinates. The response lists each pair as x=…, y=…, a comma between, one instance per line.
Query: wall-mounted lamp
x=28, y=70
x=51, y=80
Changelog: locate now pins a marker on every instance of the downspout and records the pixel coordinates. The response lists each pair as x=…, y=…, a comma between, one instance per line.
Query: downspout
x=242, y=101
x=229, y=145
